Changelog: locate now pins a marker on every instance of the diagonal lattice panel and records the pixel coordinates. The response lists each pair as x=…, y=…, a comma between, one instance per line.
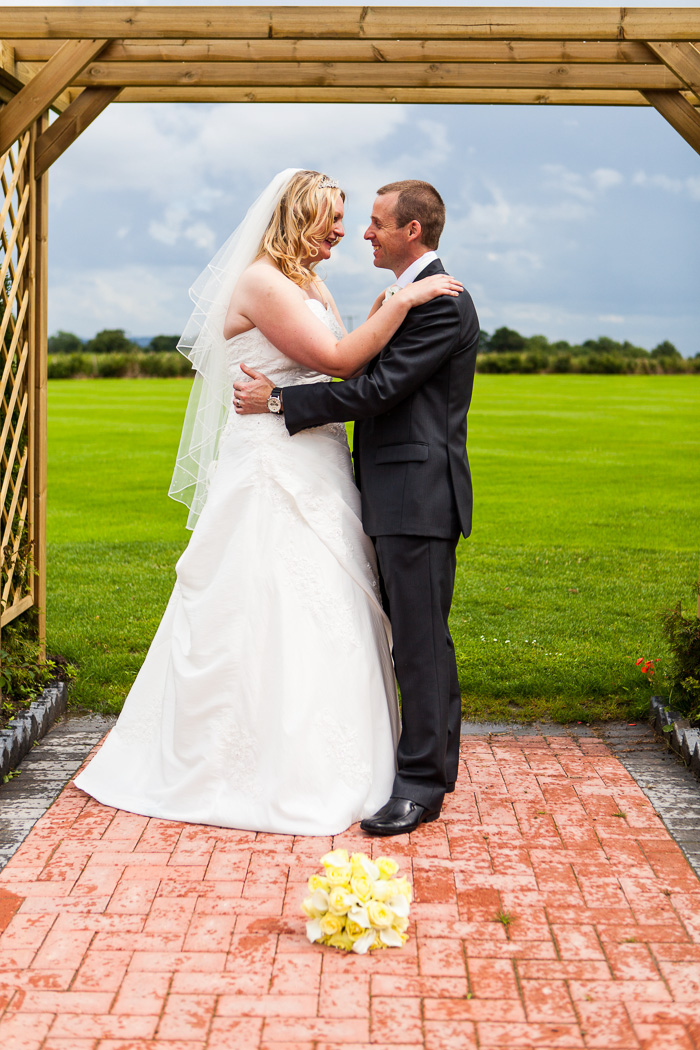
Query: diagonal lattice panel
x=15, y=542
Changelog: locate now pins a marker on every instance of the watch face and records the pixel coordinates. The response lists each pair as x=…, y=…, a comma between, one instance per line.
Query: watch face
x=274, y=404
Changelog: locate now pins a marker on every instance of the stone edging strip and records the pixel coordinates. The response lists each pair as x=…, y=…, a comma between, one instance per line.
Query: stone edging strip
x=31, y=725
x=681, y=738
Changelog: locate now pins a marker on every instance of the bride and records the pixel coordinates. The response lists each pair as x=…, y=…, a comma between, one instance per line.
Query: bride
x=267, y=700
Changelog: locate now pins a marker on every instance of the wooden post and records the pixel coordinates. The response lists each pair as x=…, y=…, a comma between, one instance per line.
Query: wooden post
x=39, y=352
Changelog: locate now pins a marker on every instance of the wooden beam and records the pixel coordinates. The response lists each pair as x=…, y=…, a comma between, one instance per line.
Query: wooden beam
x=680, y=114
x=365, y=95
x=397, y=22
x=7, y=57
x=683, y=60
x=25, y=73
x=36, y=96
x=354, y=51
x=72, y=123
x=378, y=74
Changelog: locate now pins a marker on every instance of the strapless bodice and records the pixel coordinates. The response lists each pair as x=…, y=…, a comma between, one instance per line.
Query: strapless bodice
x=258, y=352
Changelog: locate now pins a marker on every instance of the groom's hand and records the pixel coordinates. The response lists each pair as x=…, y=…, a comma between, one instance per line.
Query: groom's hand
x=249, y=398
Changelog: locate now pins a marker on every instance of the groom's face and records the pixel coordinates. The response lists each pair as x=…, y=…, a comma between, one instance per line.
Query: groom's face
x=390, y=243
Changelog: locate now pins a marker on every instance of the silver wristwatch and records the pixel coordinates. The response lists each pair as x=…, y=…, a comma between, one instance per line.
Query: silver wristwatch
x=274, y=401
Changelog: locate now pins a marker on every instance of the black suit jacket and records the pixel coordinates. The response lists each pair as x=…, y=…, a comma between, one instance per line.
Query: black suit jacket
x=410, y=406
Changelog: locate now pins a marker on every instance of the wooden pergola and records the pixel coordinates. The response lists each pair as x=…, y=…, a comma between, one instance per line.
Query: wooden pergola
x=77, y=60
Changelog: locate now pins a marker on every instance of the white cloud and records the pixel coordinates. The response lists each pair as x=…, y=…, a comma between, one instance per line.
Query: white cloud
x=201, y=235
x=136, y=298
x=606, y=178
x=193, y=153
x=669, y=184
x=175, y=226
x=611, y=318
x=585, y=187
x=516, y=260
x=560, y=179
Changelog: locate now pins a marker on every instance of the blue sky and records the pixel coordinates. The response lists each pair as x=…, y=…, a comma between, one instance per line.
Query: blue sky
x=570, y=221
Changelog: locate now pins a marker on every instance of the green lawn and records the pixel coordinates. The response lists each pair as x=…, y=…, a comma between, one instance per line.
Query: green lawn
x=587, y=505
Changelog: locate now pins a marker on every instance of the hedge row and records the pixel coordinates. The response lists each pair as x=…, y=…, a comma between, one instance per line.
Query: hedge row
x=168, y=364
x=532, y=362
x=118, y=366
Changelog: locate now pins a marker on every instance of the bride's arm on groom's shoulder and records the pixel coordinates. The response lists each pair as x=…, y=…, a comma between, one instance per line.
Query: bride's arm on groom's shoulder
x=277, y=307
x=376, y=304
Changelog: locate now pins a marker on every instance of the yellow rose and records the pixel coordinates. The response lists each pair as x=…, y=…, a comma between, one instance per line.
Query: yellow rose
x=354, y=930
x=339, y=876
x=403, y=886
x=364, y=865
x=357, y=863
x=340, y=900
x=340, y=940
x=319, y=882
x=331, y=924
x=387, y=867
x=361, y=886
x=379, y=915
x=336, y=858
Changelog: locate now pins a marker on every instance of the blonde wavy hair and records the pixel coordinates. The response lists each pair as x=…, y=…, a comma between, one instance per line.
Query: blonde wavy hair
x=301, y=219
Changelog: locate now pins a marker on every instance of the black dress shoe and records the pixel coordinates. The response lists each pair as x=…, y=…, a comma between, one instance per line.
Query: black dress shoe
x=397, y=817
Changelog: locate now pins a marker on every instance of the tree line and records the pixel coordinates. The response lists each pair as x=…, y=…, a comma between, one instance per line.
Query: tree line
x=508, y=351
x=110, y=353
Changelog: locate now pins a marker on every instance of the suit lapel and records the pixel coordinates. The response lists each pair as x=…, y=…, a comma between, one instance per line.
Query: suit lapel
x=432, y=268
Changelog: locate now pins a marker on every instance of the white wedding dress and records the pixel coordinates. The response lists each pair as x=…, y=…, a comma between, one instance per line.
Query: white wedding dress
x=267, y=700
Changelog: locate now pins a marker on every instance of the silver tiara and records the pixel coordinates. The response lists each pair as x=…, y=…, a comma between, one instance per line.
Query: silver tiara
x=327, y=183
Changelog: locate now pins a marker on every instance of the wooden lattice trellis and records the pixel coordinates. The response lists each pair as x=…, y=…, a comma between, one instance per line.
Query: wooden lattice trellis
x=15, y=580
x=22, y=386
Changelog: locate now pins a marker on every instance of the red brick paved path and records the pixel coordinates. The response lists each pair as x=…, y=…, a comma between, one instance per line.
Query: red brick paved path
x=124, y=933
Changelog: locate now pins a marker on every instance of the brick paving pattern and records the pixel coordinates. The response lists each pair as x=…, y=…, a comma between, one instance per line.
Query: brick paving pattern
x=553, y=910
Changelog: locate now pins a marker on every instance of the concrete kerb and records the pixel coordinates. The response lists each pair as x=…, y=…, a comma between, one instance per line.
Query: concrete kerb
x=22, y=731
x=681, y=737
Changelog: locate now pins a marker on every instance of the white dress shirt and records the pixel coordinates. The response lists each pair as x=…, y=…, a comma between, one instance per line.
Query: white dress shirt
x=410, y=273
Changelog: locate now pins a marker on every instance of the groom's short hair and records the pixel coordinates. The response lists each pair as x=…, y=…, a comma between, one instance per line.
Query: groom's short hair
x=421, y=201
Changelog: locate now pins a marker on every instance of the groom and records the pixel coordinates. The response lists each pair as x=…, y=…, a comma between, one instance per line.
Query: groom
x=410, y=406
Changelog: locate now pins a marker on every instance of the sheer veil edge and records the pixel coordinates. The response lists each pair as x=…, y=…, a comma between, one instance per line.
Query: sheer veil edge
x=203, y=343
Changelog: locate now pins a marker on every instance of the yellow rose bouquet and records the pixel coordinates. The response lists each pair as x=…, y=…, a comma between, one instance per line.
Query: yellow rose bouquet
x=357, y=904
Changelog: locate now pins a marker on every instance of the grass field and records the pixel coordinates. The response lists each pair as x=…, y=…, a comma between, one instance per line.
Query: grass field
x=587, y=506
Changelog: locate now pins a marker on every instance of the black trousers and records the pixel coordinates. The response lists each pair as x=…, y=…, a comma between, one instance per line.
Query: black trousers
x=417, y=578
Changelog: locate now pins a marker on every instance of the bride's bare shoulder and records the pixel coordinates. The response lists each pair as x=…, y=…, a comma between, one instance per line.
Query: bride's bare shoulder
x=263, y=277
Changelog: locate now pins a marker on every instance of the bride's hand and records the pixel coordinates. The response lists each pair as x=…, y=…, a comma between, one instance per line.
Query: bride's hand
x=420, y=292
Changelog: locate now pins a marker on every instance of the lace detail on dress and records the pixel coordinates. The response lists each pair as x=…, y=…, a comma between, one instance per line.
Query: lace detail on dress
x=335, y=615
x=343, y=744
x=236, y=759
x=141, y=725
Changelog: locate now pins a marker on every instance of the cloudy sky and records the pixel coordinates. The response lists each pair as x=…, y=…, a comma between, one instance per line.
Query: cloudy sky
x=570, y=221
